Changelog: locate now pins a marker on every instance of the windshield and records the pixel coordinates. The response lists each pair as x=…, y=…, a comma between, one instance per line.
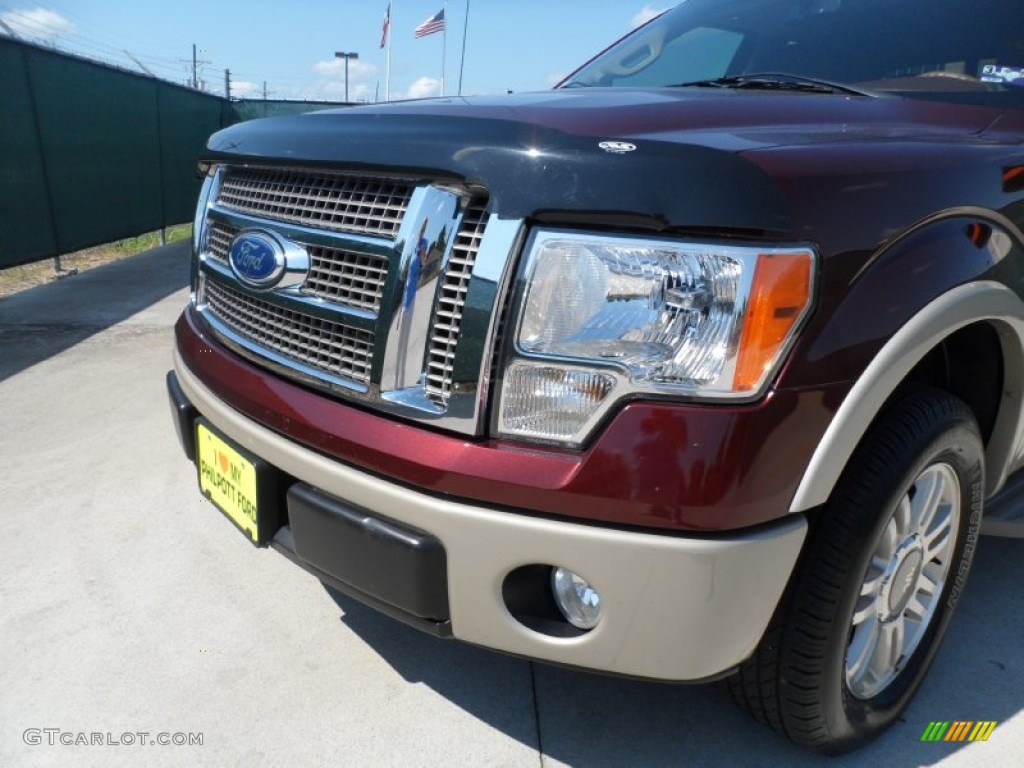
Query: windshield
x=967, y=50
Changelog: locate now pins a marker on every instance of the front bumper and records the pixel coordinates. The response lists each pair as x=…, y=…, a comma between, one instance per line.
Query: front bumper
x=679, y=608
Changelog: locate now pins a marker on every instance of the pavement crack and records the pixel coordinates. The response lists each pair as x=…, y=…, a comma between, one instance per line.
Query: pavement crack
x=536, y=713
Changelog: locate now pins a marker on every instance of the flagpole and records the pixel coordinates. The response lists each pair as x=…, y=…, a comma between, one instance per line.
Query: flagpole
x=387, y=63
x=444, y=45
x=462, y=62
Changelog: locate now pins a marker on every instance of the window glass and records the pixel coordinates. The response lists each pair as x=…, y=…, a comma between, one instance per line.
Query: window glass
x=969, y=49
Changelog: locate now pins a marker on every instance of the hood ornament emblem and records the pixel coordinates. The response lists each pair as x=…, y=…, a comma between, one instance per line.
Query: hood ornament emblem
x=617, y=147
x=264, y=260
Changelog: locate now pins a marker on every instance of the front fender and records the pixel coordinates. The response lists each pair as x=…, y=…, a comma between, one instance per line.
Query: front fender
x=921, y=288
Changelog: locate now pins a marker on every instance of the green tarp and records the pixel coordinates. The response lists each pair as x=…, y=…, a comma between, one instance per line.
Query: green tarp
x=90, y=154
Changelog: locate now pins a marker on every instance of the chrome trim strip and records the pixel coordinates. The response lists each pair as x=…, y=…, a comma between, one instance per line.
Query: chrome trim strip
x=437, y=218
x=491, y=277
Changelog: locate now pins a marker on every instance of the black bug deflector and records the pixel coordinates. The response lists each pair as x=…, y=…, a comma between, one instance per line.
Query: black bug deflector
x=530, y=171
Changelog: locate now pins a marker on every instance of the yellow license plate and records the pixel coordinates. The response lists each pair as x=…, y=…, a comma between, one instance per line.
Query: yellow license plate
x=228, y=479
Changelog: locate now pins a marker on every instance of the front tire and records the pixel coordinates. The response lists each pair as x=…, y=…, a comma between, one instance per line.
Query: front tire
x=883, y=570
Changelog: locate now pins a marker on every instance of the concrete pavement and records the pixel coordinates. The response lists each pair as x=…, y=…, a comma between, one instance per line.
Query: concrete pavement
x=129, y=605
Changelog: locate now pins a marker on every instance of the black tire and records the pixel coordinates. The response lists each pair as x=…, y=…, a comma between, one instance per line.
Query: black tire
x=798, y=681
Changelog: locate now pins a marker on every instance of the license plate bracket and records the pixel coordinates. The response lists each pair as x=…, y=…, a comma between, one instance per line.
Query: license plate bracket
x=242, y=486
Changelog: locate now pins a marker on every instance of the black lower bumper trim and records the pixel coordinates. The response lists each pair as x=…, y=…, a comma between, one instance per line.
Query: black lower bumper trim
x=284, y=543
x=184, y=415
x=398, y=565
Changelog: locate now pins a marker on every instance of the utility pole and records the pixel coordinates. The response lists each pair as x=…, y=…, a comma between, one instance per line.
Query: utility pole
x=227, y=84
x=196, y=63
x=346, y=57
x=264, y=90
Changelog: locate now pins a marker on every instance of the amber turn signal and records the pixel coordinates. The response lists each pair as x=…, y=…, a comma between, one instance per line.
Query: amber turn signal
x=779, y=299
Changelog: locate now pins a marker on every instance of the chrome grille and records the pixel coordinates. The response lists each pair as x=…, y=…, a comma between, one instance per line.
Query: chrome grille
x=451, y=300
x=339, y=202
x=327, y=346
x=352, y=279
x=327, y=326
x=344, y=277
x=218, y=241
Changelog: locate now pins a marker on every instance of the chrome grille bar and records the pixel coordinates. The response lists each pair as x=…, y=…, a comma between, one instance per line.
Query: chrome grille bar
x=320, y=344
x=338, y=202
x=218, y=242
x=451, y=300
x=351, y=279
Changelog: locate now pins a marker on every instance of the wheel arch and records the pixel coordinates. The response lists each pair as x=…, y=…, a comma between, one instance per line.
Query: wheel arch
x=981, y=304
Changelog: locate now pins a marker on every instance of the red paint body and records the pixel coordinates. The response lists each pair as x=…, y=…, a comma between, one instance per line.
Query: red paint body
x=886, y=190
x=685, y=467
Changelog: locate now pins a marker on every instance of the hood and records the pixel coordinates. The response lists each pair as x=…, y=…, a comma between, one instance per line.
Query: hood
x=721, y=118
x=652, y=158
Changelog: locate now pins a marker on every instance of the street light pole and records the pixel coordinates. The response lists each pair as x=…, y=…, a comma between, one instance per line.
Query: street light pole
x=346, y=57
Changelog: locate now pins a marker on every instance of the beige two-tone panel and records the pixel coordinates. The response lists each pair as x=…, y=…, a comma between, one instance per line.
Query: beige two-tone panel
x=675, y=607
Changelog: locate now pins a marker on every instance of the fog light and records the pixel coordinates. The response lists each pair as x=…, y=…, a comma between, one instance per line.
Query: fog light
x=576, y=599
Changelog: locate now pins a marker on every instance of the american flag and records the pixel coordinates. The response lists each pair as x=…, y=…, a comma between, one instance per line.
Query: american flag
x=387, y=26
x=434, y=24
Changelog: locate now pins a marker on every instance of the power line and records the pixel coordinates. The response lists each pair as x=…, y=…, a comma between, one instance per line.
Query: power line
x=142, y=66
x=112, y=37
x=9, y=31
x=73, y=42
x=154, y=65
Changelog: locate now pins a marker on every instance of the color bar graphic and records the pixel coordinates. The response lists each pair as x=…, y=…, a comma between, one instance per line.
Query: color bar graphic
x=959, y=730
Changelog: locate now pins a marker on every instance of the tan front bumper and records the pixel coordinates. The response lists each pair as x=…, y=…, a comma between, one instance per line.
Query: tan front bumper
x=675, y=607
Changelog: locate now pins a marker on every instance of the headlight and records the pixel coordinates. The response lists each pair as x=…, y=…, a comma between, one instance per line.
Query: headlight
x=603, y=317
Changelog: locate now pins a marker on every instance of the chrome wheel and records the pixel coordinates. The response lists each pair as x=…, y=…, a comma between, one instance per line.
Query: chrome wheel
x=885, y=562
x=904, y=581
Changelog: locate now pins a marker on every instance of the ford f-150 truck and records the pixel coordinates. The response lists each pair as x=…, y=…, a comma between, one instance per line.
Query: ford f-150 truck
x=701, y=365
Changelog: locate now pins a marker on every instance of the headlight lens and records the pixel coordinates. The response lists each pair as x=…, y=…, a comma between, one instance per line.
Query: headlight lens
x=604, y=317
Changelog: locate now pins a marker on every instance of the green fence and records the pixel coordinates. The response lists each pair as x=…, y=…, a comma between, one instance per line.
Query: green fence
x=252, y=109
x=90, y=154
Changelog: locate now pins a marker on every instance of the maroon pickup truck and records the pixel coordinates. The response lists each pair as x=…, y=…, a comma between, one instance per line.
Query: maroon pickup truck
x=701, y=365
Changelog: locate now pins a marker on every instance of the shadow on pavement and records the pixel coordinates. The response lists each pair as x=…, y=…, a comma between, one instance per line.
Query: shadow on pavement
x=43, y=321
x=591, y=720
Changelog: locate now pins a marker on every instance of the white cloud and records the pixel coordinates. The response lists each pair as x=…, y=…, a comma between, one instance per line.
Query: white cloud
x=335, y=69
x=362, y=80
x=39, y=23
x=243, y=89
x=424, y=87
x=644, y=15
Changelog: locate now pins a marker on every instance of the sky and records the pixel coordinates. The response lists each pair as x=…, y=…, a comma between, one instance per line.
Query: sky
x=289, y=45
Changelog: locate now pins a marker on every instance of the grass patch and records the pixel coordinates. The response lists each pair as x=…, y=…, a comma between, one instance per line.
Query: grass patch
x=15, y=279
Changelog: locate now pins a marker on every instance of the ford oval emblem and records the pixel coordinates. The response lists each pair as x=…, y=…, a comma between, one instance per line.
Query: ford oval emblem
x=257, y=259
